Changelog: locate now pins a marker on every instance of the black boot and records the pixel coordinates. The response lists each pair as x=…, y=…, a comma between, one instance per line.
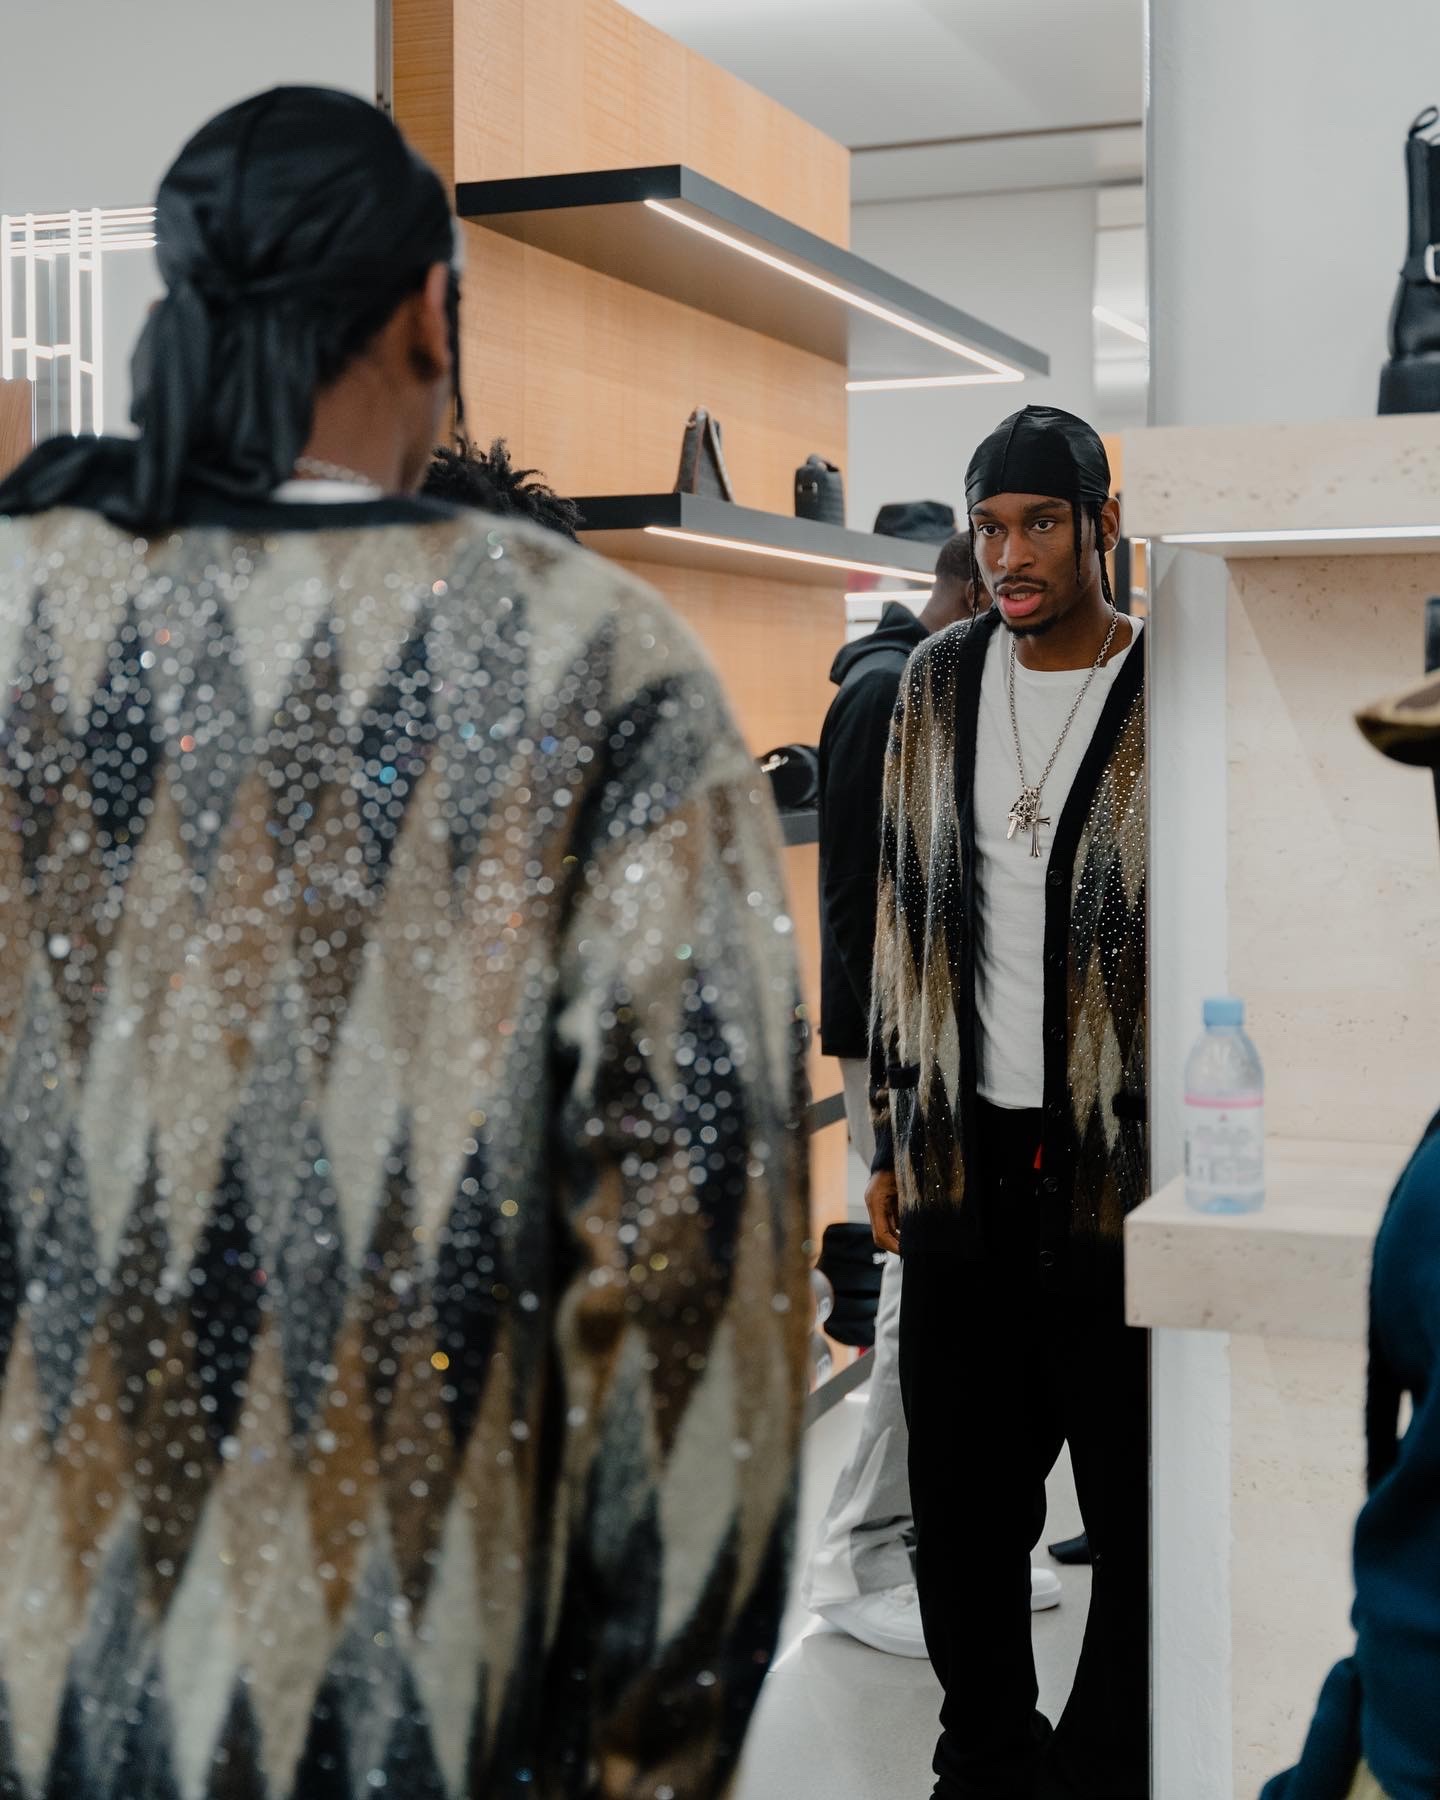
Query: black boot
x=1410, y=381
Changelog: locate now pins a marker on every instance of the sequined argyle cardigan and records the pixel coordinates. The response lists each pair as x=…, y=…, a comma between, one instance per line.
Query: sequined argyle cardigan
x=924, y=1039
x=402, y=1275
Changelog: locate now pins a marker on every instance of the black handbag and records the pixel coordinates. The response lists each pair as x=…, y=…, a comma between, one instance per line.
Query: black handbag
x=702, y=459
x=794, y=771
x=820, y=492
x=853, y=1266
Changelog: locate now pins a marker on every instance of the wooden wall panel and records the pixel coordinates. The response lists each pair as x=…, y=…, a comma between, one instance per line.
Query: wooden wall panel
x=546, y=87
x=423, y=79
x=592, y=380
x=16, y=436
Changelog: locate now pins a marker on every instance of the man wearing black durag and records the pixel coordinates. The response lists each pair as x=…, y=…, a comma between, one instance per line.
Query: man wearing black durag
x=401, y=1215
x=1008, y=1077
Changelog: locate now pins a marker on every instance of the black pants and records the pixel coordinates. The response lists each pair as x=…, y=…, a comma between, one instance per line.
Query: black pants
x=1002, y=1361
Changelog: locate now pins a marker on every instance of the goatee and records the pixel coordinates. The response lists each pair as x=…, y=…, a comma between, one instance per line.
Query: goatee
x=1029, y=631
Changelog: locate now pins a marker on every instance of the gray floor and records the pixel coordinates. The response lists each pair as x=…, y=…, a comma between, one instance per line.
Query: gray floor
x=839, y=1722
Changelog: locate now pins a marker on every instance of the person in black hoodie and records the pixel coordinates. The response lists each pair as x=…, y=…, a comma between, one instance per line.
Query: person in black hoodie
x=1376, y=1731
x=859, y=1576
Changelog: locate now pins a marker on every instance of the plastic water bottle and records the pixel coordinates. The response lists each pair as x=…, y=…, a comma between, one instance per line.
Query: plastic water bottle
x=1224, y=1115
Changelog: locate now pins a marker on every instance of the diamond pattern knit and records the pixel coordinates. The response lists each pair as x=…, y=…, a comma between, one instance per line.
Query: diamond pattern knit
x=402, y=1275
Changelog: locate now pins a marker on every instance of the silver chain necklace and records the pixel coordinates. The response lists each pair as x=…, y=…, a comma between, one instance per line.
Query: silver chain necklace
x=1025, y=813
x=319, y=470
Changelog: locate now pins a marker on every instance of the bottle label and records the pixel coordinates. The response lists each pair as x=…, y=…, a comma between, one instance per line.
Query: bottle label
x=1225, y=1147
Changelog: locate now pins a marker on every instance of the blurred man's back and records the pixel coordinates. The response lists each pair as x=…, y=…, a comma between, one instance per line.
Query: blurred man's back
x=401, y=1269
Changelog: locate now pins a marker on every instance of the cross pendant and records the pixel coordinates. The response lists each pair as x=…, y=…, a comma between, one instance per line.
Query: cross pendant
x=1025, y=816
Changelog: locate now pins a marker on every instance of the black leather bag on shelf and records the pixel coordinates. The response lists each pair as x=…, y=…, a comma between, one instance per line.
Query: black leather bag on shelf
x=794, y=771
x=853, y=1266
x=820, y=492
x=702, y=459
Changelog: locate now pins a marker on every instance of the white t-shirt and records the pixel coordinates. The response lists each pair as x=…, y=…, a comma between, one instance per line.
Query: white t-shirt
x=1010, y=964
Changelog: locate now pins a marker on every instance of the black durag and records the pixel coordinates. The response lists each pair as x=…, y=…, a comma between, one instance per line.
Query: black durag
x=1040, y=450
x=286, y=227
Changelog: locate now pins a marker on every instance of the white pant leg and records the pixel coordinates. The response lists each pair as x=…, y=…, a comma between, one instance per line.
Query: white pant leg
x=856, y=1076
x=861, y=1545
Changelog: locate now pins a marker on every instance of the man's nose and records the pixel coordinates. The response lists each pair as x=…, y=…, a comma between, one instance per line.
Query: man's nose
x=1016, y=553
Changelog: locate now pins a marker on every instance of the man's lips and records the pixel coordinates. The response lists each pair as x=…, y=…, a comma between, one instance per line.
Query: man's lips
x=1019, y=602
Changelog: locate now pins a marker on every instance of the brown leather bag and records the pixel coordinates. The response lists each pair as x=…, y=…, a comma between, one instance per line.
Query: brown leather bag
x=702, y=461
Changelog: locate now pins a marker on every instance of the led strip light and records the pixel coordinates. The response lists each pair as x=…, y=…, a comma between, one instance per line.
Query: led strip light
x=997, y=371
x=1331, y=534
x=893, y=383
x=800, y=556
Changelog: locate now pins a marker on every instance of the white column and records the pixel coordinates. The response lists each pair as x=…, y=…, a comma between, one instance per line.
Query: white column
x=1276, y=227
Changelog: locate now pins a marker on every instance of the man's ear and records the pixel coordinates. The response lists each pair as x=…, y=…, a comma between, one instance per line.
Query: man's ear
x=430, y=343
x=1110, y=515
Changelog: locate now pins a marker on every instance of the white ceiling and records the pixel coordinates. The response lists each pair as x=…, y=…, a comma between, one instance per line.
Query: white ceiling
x=894, y=71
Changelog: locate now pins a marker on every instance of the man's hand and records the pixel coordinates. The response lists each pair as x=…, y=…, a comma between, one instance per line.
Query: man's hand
x=882, y=1202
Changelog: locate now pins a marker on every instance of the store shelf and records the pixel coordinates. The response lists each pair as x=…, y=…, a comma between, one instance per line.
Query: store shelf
x=1298, y=1268
x=1348, y=487
x=676, y=233
x=699, y=531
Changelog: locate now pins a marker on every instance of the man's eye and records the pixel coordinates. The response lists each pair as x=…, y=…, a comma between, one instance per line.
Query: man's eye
x=1045, y=524
x=988, y=530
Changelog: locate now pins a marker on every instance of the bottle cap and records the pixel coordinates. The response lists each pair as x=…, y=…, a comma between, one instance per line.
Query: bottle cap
x=1224, y=1011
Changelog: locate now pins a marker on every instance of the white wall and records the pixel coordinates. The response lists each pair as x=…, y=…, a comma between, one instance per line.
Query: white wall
x=97, y=96
x=1279, y=199
x=1023, y=262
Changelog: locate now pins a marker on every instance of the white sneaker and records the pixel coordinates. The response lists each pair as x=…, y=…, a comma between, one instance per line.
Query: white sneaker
x=1044, y=1590
x=888, y=1621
